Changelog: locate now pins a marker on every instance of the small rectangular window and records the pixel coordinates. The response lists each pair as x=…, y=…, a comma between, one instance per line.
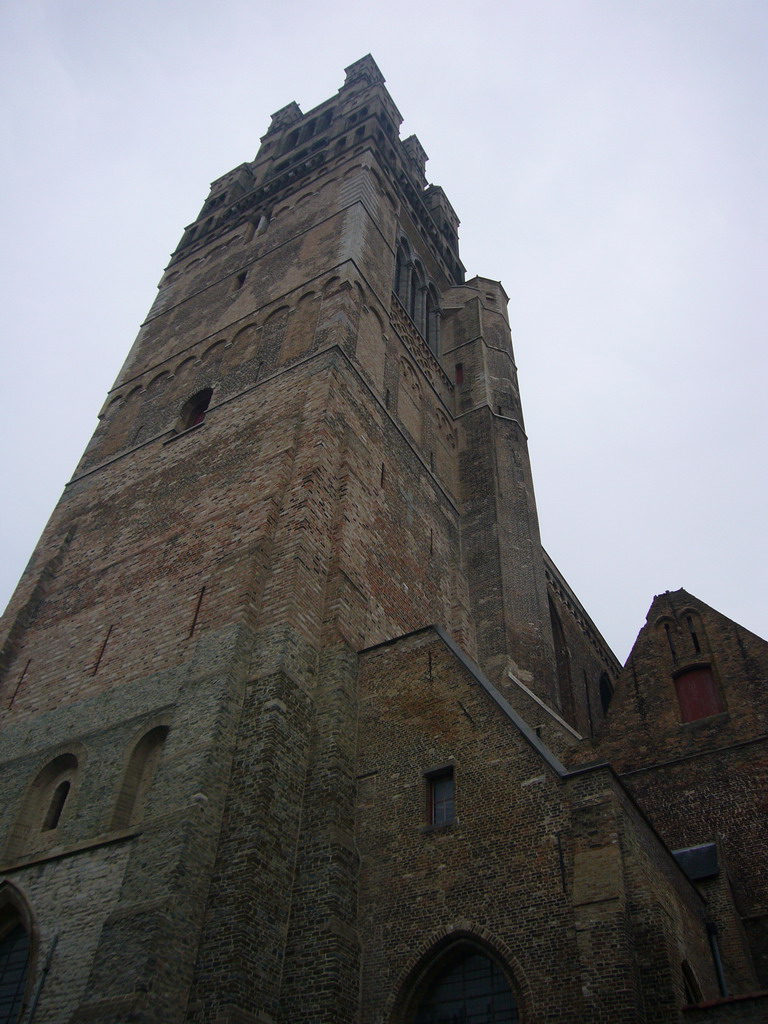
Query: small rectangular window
x=441, y=797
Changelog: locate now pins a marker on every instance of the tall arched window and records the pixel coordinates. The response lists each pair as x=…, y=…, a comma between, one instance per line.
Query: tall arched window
x=465, y=985
x=432, y=319
x=563, y=664
x=402, y=284
x=416, y=297
x=139, y=773
x=15, y=954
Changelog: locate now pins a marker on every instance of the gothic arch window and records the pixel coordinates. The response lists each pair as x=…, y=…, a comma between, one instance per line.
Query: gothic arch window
x=46, y=803
x=464, y=984
x=16, y=949
x=194, y=409
x=139, y=773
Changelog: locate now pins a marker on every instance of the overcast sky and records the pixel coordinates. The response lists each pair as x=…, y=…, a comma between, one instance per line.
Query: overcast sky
x=608, y=162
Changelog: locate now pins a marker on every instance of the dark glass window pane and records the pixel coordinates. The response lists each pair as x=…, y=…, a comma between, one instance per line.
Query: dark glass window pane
x=14, y=954
x=470, y=990
x=442, y=799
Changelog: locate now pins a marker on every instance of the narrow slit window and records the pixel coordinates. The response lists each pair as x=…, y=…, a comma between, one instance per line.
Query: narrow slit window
x=56, y=806
x=606, y=692
x=694, y=636
x=669, y=639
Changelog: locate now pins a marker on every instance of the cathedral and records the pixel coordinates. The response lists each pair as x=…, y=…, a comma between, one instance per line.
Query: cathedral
x=299, y=722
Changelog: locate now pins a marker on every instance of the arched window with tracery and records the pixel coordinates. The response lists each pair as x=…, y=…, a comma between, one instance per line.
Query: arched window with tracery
x=138, y=777
x=16, y=948
x=464, y=985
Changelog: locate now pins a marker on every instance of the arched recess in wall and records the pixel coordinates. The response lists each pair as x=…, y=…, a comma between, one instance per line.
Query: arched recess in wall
x=301, y=327
x=18, y=946
x=416, y=296
x=245, y=356
x=432, y=320
x=445, y=446
x=138, y=776
x=112, y=408
x=462, y=979
x=409, y=400
x=158, y=384
x=213, y=355
x=563, y=663
x=371, y=346
x=107, y=438
x=332, y=287
x=46, y=806
x=120, y=424
x=184, y=366
x=273, y=333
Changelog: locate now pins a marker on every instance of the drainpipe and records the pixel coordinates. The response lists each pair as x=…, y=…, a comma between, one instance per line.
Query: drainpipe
x=41, y=980
x=713, y=945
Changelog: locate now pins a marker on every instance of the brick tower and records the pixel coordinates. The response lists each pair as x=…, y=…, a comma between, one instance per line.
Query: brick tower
x=262, y=749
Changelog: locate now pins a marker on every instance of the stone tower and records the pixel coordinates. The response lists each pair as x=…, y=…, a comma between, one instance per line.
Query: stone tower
x=269, y=660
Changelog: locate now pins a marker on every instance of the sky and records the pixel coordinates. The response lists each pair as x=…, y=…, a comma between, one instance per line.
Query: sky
x=608, y=160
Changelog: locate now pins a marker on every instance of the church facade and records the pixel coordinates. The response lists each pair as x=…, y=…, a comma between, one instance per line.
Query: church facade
x=300, y=723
